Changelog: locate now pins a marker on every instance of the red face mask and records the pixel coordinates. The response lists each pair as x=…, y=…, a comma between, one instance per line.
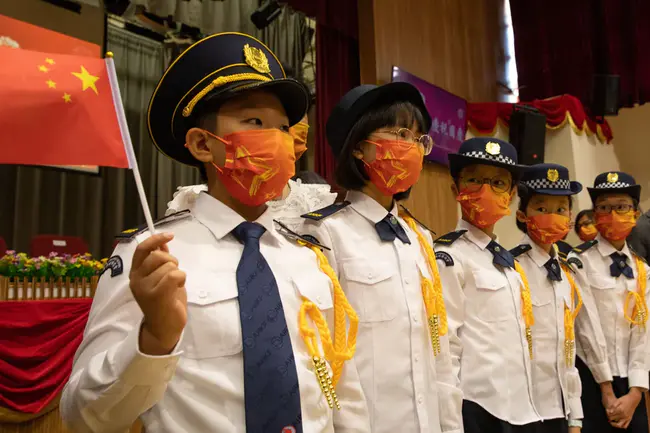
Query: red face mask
x=299, y=131
x=547, y=228
x=259, y=163
x=588, y=232
x=396, y=167
x=614, y=226
x=484, y=207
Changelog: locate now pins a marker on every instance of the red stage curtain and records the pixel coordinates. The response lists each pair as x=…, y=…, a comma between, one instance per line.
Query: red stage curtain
x=38, y=340
x=561, y=44
x=483, y=117
x=337, y=65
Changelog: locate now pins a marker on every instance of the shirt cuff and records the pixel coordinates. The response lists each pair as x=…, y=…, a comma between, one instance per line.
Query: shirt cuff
x=601, y=373
x=575, y=408
x=139, y=369
x=638, y=378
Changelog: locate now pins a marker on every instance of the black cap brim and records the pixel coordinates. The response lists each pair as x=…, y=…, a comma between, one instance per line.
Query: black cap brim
x=633, y=191
x=458, y=162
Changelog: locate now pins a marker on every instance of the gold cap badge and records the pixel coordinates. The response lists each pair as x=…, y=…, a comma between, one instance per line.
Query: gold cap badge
x=552, y=175
x=612, y=177
x=256, y=59
x=492, y=148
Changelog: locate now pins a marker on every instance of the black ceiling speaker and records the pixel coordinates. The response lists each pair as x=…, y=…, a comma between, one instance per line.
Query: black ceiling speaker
x=528, y=134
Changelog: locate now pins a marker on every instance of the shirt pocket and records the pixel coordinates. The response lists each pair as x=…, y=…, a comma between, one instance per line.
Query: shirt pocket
x=603, y=290
x=492, y=300
x=370, y=288
x=213, y=327
x=315, y=287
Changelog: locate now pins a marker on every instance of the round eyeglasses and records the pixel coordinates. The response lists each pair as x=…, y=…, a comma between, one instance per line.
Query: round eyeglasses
x=618, y=208
x=408, y=137
x=473, y=184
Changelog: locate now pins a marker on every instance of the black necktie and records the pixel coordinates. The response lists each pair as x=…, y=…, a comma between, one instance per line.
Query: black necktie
x=619, y=266
x=553, y=270
x=271, y=392
x=502, y=257
x=389, y=228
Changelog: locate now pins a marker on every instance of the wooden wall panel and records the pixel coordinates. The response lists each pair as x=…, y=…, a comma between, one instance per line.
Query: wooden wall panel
x=450, y=43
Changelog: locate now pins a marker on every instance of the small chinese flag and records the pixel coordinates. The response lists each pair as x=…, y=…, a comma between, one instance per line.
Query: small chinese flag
x=59, y=110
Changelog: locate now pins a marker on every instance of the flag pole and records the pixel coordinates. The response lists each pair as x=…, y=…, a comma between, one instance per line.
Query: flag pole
x=126, y=139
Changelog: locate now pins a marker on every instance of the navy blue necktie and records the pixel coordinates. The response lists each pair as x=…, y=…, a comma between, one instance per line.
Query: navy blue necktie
x=389, y=228
x=271, y=392
x=619, y=266
x=502, y=257
x=553, y=270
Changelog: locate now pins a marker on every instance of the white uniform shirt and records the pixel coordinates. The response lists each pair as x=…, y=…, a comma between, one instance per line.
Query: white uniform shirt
x=556, y=387
x=407, y=388
x=626, y=345
x=487, y=333
x=199, y=387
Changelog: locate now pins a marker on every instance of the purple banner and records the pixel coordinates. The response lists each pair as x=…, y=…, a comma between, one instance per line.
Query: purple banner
x=447, y=112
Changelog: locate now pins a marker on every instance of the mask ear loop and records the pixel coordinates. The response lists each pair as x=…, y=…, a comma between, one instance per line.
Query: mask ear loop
x=219, y=169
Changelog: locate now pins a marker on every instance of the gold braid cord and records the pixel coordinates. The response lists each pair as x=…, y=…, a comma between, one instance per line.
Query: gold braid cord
x=335, y=352
x=570, y=314
x=527, y=308
x=434, y=302
x=187, y=111
x=640, y=310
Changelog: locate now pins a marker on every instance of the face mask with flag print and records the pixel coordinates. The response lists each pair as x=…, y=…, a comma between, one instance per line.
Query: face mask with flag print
x=396, y=167
x=614, y=226
x=484, y=207
x=259, y=163
x=299, y=131
x=588, y=232
x=547, y=228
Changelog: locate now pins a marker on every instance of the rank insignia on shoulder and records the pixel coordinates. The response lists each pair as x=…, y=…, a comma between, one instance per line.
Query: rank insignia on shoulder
x=323, y=213
x=584, y=247
x=116, y=266
x=520, y=249
x=408, y=212
x=132, y=233
x=309, y=239
x=446, y=258
x=575, y=262
x=450, y=237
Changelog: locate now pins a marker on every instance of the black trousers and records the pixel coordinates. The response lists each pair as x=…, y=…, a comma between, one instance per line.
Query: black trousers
x=478, y=420
x=595, y=415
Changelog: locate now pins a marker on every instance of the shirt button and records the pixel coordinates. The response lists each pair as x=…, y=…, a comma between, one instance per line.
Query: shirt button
x=319, y=300
x=415, y=319
x=203, y=294
x=369, y=275
x=407, y=281
x=416, y=358
x=420, y=399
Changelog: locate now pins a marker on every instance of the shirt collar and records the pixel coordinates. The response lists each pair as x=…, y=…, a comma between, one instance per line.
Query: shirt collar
x=368, y=207
x=539, y=256
x=474, y=234
x=221, y=220
x=605, y=248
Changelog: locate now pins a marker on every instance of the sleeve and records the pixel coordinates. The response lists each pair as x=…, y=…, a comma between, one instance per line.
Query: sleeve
x=574, y=392
x=590, y=339
x=637, y=368
x=112, y=382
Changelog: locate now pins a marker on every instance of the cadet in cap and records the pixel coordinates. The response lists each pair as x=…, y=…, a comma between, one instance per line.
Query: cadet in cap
x=486, y=293
x=544, y=215
x=386, y=260
x=613, y=389
x=236, y=341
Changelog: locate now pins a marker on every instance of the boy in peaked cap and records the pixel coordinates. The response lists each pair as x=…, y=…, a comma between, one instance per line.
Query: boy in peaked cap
x=617, y=278
x=233, y=332
x=488, y=300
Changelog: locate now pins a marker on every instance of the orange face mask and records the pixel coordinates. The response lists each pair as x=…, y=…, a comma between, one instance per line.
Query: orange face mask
x=484, y=207
x=547, y=228
x=588, y=232
x=614, y=226
x=299, y=132
x=259, y=163
x=396, y=167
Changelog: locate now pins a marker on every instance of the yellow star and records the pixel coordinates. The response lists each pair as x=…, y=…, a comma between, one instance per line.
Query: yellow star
x=51, y=84
x=67, y=98
x=50, y=61
x=43, y=68
x=87, y=80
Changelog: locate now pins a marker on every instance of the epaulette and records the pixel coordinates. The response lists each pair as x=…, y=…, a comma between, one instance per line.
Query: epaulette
x=408, y=212
x=131, y=233
x=450, y=237
x=308, y=239
x=520, y=249
x=563, y=248
x=637, y=254
x=584, y=247
x=323, y=213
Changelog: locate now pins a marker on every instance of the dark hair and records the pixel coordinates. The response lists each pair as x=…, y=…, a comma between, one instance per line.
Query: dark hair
x=310, y=177
x=206, y=118
x=350, y=172
x=525, y=194
x=585, y=212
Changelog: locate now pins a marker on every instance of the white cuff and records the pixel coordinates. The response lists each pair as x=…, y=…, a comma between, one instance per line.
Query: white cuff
x=575, y=408
x=601, y=372
x=638, y=378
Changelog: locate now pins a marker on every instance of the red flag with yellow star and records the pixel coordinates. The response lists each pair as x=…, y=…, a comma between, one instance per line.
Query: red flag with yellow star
x=59, y=110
